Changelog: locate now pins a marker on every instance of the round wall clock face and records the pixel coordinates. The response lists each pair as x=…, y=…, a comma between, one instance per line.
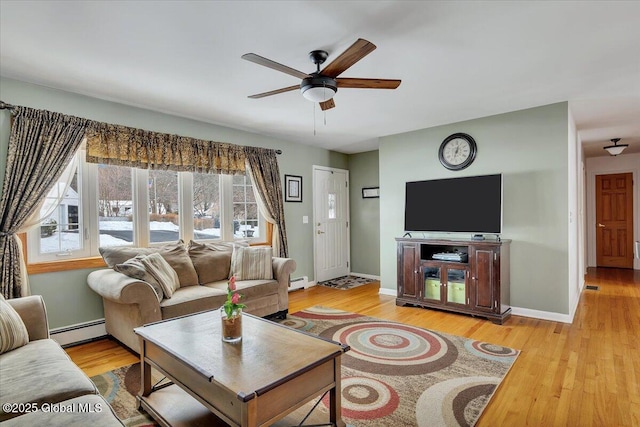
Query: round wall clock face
x=457, y=151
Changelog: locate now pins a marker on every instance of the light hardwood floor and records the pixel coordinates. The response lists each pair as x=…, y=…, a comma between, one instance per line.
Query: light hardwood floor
x=582, y=374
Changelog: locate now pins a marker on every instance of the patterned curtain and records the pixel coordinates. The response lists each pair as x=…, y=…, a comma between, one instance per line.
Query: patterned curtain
x=125, y=146
x=41, y=145
x=263, y=169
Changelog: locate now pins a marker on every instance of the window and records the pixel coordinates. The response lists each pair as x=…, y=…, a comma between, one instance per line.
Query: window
x=206, y=206
x=141, y=207
x=115, y=205
x=164, y=206
x=246, y=222
x=59, y=233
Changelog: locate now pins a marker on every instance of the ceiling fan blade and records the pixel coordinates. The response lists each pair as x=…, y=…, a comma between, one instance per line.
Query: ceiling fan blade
x=368, y=83
x=346, y=59
x=274, y=92
x=327, y=104
x=252, y=57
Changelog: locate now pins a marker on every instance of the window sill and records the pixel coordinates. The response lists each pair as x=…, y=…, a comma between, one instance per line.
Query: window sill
x=72, y=264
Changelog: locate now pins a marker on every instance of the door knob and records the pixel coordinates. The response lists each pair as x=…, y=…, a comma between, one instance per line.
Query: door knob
x=320, y=232
x=600, y=225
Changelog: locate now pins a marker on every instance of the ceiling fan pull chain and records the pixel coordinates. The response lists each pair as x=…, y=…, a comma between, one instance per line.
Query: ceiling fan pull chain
x=314, y=119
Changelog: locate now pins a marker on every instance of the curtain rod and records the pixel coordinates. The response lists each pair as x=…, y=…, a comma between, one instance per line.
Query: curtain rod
x=5, y=106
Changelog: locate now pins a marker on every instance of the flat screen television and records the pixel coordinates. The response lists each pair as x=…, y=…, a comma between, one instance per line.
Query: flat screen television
x=470, y=204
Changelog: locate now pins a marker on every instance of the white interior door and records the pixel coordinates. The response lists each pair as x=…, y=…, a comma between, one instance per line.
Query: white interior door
x=331, y=222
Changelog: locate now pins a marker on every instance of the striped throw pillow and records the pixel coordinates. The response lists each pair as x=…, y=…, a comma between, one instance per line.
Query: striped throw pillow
x=13, y=332
x=252, y=263
x=162, y=272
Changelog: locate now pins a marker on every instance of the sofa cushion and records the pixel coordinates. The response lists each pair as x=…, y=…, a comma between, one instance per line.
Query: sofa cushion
x=40, y=372
x=135, y=269
x=174, y=253
x=162, y=272
x=119, y=254
x=249, y=263
x=212, y=261
x=249, y=288
x=13, y=332
x=192, y=299
x=96, y=412
x=178, y=258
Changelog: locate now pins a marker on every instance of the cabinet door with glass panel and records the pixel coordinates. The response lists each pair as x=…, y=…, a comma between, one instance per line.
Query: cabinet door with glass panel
x=445, y=283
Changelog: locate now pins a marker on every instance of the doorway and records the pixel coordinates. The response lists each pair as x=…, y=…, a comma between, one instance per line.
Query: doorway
x=614, y=220
x=330, y=223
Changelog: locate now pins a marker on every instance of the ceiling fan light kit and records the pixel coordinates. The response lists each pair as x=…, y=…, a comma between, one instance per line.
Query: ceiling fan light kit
x=322, y=85
x=318, y=88
x=615, y=149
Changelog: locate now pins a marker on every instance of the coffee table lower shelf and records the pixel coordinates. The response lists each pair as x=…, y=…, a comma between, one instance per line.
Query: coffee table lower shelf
x=179, y=409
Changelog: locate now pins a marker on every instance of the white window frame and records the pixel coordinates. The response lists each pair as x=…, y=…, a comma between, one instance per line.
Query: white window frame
x=88, y=214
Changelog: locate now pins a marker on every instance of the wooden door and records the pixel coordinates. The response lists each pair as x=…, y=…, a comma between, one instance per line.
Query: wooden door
x=614, y=220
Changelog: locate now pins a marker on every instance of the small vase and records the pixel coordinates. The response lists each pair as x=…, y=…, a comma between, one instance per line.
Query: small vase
x=232, y=326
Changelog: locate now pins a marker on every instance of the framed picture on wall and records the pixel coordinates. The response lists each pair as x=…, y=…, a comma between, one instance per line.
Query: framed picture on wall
x=371, y=192
x=292, y=188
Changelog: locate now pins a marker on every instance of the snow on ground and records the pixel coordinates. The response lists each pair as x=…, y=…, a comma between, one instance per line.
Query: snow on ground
x=128, y=225
x=71, y=241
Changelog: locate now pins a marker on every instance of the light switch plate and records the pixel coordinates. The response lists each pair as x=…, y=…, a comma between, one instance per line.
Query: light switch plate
x=305, y=219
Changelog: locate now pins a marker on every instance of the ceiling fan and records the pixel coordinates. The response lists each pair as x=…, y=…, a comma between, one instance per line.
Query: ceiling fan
x=321, y=85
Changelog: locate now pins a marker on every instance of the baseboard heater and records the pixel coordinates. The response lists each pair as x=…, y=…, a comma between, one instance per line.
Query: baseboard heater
x=299, y=283
x=79, y=333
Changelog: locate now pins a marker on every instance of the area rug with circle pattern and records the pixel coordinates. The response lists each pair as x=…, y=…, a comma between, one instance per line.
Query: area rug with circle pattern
x=401, y=375
x=393, y=374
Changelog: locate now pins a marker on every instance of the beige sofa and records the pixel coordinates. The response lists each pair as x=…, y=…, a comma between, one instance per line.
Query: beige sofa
x=202, y=270
x=41, y=385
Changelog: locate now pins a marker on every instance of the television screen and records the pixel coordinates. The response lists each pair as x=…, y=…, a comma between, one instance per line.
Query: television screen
x=471, y=204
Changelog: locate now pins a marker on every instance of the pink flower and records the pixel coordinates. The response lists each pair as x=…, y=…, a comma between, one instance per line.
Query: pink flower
x=235, y=298
x=232, y=283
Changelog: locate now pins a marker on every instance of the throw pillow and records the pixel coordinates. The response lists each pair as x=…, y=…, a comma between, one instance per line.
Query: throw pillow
x=162, y=272
x=119, y=254
x=254, y=262
x=135, y=269
x=13, y=332
x=174, y=253
x=178, y=258
x=212, y=261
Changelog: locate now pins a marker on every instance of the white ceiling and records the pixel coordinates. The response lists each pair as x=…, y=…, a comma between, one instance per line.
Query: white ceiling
x=457, y=61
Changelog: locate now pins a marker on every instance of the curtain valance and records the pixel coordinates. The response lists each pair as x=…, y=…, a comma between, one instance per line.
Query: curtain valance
x=126, y=146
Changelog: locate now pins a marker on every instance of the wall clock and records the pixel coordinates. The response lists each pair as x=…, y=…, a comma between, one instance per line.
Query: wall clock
x=457, y=151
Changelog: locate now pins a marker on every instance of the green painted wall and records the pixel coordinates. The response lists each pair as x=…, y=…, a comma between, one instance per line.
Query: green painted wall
x=68, y=298
x=530, y=149
x=364, y=213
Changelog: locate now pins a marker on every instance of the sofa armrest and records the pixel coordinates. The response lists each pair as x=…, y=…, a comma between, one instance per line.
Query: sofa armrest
x=282, y=269
x=122, y=289
x=34, y=315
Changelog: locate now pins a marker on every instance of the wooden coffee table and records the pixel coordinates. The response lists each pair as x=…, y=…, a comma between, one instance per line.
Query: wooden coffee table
x=270, y=373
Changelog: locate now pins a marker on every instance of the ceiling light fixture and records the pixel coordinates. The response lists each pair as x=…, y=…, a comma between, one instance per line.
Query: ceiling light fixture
x=318, y=88
x=615, y=149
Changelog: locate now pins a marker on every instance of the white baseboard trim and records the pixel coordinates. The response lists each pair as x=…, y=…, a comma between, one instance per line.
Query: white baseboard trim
x=78, y=333
x=390, y=292
x=300, y=283
x=543, y=315
x=516, y=311
x=366, y=276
